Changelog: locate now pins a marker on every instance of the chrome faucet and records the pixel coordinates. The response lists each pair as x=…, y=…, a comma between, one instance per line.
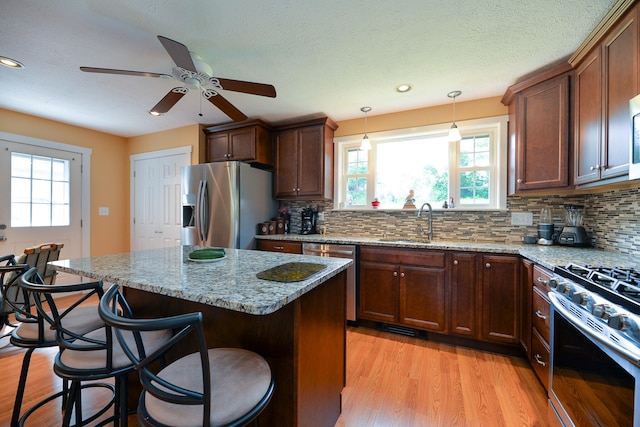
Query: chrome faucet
x=430, y=231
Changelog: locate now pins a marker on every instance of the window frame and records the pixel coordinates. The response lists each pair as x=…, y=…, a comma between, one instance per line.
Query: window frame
x=496, y=126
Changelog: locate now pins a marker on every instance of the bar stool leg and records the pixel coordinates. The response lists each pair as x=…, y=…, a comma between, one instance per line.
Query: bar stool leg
x=17, y=405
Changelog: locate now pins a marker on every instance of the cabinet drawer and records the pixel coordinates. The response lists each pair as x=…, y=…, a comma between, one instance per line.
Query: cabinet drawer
x=279, y=246
x=540, y=358
x=541, y=277
x=422, y=258
x=541, y=313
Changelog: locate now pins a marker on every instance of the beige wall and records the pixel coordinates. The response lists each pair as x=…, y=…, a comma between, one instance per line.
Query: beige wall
x=110, y=160
x=109, y=174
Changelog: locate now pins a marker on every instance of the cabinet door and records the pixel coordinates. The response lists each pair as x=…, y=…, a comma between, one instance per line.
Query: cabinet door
x=218, y=147
x=464, y=294
x=286, y=164
x=620, y=63
x=378, y=292
x=543, y=136
x=422, y=297
x=588, y=119
x=242, y=144
x=500, y=298
x=310, y=161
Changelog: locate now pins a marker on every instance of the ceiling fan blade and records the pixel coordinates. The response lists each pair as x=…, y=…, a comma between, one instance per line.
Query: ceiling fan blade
x=179, y=53
x=248, y=87
x=169, y=100
x=224, y=106
x=123, y=72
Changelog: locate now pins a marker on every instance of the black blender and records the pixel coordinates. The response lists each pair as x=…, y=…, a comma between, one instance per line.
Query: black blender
x=573, y=233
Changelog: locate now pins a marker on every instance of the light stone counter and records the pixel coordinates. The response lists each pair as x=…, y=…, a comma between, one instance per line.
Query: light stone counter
x=548, y=256
x=229, y=283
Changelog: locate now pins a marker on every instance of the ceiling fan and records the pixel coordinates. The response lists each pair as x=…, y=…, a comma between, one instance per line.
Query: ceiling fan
x=194, y=73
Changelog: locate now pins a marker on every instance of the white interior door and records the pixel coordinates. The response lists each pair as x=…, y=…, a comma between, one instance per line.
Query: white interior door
x=40, y=198
x=155, y=200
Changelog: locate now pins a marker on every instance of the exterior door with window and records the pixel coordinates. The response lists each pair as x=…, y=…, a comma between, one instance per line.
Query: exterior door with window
x=40, y=198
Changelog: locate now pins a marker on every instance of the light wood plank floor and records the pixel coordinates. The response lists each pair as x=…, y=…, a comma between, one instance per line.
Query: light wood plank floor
x=392, y=380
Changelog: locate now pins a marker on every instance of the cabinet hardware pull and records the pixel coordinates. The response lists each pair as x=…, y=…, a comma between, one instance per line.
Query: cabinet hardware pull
x=455, y=262
x=539, y=360
x=401, y=274
x=540, y=315
x=278, y=247
x=395, y=274
x=541, y=280
x=488, y=265
x=519, y=180
x=596, y=167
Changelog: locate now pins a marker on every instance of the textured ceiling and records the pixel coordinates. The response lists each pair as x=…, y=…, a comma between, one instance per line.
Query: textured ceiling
x=323, y=56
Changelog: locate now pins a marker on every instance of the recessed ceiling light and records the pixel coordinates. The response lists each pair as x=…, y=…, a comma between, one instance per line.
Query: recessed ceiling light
x=11, y=63
x=403, y=88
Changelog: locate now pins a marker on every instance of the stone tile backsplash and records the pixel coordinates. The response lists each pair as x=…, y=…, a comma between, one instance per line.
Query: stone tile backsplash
x=611, y=220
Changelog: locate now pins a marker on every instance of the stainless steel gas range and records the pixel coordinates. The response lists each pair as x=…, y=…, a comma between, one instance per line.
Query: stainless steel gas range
x=595, y=345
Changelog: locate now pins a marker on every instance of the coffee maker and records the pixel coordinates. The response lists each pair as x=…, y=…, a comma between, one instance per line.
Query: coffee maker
x=573, y=233
x=309, y=218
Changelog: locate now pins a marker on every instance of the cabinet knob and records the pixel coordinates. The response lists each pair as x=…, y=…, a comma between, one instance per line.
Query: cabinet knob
x=596, y=167
x=519, y=180
x=401, y=274
x=488, y=265
x=455, y=262
x=539, y=360
x=395, y=274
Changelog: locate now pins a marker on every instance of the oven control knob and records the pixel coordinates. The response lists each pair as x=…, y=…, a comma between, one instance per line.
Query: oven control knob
x=553, y=283
x=580, y=298
x=618, y=321
x=598, y=310
x=564, y=288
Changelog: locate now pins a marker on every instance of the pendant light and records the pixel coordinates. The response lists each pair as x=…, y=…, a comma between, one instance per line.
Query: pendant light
x=366, y=144
x=454, y=133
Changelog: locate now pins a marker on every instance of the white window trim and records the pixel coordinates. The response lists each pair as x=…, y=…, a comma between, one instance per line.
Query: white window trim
x=499, y=123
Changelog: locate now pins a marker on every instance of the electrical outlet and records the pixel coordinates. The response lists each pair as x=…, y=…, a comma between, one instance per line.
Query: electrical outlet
x=521, y=218
x=104, y=211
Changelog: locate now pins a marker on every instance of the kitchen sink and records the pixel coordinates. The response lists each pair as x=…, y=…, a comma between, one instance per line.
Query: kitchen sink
x=405, y=239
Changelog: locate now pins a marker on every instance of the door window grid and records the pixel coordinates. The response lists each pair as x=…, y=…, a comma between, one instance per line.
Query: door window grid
x=40, y=191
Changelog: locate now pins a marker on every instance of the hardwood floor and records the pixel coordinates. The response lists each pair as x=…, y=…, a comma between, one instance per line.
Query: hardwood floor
x=392, y=380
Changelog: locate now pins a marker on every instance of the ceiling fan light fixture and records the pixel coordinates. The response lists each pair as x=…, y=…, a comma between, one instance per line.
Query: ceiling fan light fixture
x=454, y=132
x=154, y=113
x=365, y=145
x=11, y=63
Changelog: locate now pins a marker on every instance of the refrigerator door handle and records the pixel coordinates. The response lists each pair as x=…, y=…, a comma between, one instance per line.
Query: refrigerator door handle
x=202, y=220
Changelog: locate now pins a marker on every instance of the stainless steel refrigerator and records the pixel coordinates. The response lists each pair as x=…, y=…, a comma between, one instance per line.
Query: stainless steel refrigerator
x=222, y=204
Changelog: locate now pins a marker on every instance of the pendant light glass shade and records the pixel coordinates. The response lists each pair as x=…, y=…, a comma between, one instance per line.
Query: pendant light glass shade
x=366, y=144
x=454, y=133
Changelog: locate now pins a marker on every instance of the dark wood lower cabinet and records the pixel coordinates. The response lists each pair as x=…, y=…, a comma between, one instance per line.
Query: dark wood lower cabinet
x=455, y=293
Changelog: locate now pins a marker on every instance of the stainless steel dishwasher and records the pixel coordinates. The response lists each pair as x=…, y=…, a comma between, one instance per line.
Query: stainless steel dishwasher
x=339, y=251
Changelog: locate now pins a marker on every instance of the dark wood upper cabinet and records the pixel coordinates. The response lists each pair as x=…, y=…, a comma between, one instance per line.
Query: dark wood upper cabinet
x=247, y=141
x=304, y=160
x=540, y=131
x=606, y=79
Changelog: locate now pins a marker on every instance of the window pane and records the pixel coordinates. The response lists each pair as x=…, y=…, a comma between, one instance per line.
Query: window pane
x=466, y=159
x=40, y=215
x=421, y=165
x=41, y=167
x=482, y=159
x=40, y=188
x=20, y=165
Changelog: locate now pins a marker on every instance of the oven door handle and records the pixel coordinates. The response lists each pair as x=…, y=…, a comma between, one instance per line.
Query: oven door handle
x=632, y=356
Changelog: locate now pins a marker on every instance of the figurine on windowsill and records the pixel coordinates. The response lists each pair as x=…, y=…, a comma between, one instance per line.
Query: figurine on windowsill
x=410, y=201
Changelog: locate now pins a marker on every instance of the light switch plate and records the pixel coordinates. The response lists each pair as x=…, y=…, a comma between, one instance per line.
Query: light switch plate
x=103, y=211
x=521, y=218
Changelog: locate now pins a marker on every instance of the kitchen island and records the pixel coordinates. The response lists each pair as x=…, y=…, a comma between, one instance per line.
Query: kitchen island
x=298, y=327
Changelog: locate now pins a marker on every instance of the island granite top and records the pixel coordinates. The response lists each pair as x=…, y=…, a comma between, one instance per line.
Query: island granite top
x=229, y=282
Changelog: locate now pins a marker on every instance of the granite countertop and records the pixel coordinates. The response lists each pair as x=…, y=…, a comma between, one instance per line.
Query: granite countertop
x=229, y=282
x=548, y=256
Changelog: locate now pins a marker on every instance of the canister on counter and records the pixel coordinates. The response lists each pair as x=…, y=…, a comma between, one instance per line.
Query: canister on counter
x=272, y=227
x=280, y=221
x=263, y=228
